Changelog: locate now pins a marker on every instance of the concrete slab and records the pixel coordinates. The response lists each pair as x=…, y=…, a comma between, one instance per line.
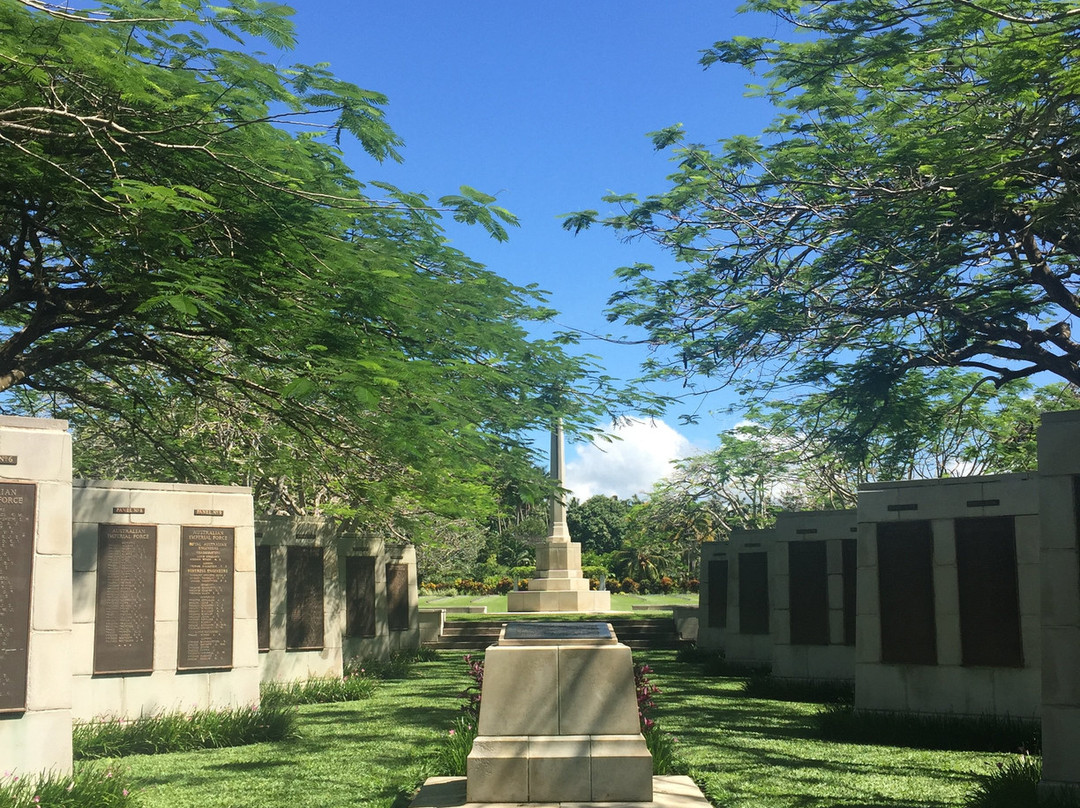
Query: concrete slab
x=670, y=791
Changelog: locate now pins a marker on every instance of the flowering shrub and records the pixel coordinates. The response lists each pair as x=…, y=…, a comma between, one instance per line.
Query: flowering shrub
x=629, y=586
x=88, y=786
x=661, y=745
x=471, y=694
x=452, y=760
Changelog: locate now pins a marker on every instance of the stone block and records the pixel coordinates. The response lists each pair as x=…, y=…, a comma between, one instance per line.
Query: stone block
x=621, y=769
x=50, y=607
x=244, y=604
x=166, y=641
x=167, y=595
x=498, y=770
x=868, y=638
x=164, y=692
x=1017, y=692
x=42, y=448
x=36, y=742
x=1061, y=745
x=595, y=691
x=1061, y=665
x=948, y=639
x=84, y=546
x=236, y=688
x=246, y=643
x=1057, y=523
x=521, y=693
x=168, y=550
x=559, y=769
x=82, y=649
x=1060, y=577
x=880, y=687
x=48, y=685
x=244, y=549
x=53, y=519
x=1057, y=443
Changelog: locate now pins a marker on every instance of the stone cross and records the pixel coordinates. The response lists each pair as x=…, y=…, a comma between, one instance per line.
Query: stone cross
x=559, y=531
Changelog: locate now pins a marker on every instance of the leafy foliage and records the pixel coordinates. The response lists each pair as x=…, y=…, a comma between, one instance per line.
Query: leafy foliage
x=180, y=732
x=194, y=278
x=912, y=207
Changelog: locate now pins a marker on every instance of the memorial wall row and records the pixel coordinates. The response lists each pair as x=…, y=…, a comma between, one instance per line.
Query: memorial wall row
x=305, y=596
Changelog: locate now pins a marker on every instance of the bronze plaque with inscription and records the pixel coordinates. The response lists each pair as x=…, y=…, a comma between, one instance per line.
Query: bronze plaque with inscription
x=262, y=593
x=17, y=502
x=360, y=596
x=304, y=599
x=124, y=626
x=906, y=593
x=989, y=592
x=718, y=592
x=753, y=593
x=397, y=596
x=206, y=598
x=808, y=593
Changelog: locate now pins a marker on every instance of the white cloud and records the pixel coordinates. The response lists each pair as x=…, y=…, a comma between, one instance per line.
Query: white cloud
x=627, y=466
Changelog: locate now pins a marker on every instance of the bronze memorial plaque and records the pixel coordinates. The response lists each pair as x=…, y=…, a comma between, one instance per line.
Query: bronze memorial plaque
x=989, y=592
x=397, y=596
x=906, y=592
x=718, y=583
x=206, y=598
x=808, y=593
x=753, y=593
x=559, y=631
x=262, y=593
x=304, y=599
x=17, y=502
x=124, y=626
x=360, y=596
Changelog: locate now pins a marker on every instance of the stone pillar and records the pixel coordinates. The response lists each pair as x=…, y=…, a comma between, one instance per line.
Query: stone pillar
x=559, y=585
x=35, y=607
x=1059, y=511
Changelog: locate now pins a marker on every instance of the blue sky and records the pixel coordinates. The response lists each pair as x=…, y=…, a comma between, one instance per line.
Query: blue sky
x=546, y=106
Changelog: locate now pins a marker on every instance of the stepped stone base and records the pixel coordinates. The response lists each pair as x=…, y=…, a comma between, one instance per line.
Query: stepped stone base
x=667, y=792
x=574, y=600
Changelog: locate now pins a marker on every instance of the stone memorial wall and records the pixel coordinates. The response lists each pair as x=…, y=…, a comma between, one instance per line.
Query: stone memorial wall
x=325, y=596
x=712, y=596
x=1059, y=504
x=813, y=595
x=164, y=611
x=748, y=641
x=948, y=596
x=35, y=596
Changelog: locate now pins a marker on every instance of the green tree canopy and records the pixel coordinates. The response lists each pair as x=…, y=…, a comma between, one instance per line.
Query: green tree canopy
x=912, y=207
x=599, y=523
x=193, y=276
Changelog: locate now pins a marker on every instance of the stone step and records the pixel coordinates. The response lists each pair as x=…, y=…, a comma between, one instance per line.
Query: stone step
x=476, y=635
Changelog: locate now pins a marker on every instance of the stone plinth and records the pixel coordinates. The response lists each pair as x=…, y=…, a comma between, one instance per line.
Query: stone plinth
x=673, y=791
x=1059, y=497
x=559, y=721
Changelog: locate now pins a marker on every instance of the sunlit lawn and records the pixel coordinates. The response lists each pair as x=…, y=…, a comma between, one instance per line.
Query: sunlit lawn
x=746, y=752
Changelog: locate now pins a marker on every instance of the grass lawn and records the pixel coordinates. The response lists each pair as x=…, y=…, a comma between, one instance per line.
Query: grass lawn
x=746, y=752
x=619, y=602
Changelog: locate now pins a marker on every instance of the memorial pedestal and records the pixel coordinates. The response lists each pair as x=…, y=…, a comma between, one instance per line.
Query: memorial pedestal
x=559, y=721
x=559, y=585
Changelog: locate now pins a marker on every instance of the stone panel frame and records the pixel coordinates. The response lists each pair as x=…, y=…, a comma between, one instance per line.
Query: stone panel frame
x=831, y=657
x=170, y=507
x=947, y=686
x=37, y=737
